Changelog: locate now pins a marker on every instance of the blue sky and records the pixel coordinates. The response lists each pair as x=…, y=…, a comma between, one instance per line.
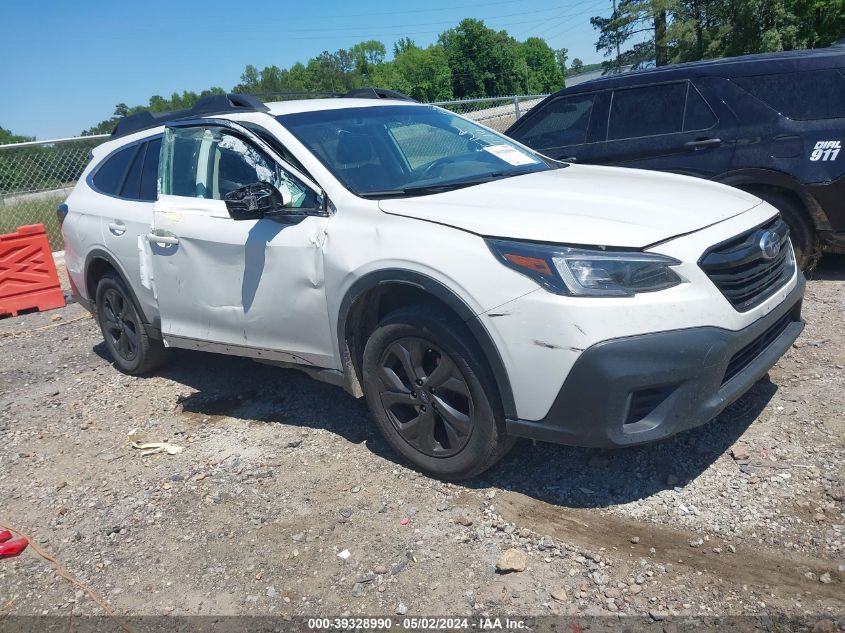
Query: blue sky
x=66, y=64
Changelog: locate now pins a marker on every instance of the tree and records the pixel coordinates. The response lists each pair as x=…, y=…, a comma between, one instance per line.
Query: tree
x=483, y=61
x=543, y=70
x=423, y=74
x=669, y=31
x=402, y=45
x=7, y=137
x=576, y=66
x=561, y=57
x=630, y=19
x=367, y=55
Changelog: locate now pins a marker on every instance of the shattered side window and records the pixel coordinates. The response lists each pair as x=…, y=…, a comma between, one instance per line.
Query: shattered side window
x=210, y=163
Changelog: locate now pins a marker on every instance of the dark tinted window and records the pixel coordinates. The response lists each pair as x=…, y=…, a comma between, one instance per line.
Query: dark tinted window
x=698, y=116
x=110, y=175
x=818, y=94
x=561, y=122
x=149, y=173
x=132, y=184
x=647, y=111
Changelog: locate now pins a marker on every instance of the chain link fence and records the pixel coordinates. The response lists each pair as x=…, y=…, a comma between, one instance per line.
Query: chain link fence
x=498, y=113
x=36, y=177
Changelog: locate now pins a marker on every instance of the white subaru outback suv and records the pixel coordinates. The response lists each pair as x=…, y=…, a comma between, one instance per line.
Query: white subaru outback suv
x=471, y=289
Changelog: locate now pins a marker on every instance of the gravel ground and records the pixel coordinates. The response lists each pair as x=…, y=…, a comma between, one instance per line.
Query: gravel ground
x=286, y=501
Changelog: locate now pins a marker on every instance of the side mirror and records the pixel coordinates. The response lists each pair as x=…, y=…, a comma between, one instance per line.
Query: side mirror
x=254, y=201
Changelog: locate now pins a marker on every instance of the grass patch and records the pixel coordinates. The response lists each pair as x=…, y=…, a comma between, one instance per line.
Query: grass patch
x=33, y=211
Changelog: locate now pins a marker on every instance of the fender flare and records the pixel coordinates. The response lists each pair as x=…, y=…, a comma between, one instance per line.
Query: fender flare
x=444, y=294
x=770, y=177
x=153, y=327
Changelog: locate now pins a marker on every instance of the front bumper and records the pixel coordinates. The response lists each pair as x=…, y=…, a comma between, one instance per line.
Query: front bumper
x=644, y=388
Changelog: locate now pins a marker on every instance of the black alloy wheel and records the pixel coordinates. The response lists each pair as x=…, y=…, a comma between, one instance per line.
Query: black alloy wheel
x=120, y=325
x=432, y=393
x=126, y=337
x=426, y=397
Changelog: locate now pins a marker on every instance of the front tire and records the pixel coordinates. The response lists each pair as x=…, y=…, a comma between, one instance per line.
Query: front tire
x=432, y=395
x=126, y=338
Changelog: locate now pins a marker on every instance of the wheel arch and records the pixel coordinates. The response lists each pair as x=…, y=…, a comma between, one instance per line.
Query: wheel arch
x=756, y=179
x=371, y=296
x=97, y=263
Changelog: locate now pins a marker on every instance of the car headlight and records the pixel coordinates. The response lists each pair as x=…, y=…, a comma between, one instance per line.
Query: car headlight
x=588, y=272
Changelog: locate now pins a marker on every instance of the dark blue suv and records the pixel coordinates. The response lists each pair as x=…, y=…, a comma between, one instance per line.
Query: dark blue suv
x=771, y=124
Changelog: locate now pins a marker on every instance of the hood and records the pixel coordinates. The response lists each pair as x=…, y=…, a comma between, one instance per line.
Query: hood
x=584, y=205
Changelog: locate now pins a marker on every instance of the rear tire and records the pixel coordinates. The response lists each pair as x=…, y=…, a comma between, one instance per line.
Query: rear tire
x=125, y=336
x=801, y=231
x=432, y=394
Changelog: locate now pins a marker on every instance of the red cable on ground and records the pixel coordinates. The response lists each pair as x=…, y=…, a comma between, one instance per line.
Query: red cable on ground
x=64, y=573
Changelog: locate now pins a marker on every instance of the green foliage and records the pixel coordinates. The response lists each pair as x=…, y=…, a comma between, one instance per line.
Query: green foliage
x=421, y=73
x=689, y=30
x=483, y=61
x=35, y=211
x=6, y=137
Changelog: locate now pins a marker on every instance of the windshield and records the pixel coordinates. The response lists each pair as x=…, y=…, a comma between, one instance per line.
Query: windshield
x=383, y=151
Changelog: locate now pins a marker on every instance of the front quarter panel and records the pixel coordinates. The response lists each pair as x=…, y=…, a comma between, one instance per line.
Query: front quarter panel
x=362, y=241
x=541, y=335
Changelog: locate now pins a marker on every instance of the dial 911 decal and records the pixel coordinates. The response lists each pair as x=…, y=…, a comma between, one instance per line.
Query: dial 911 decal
x=826, y=150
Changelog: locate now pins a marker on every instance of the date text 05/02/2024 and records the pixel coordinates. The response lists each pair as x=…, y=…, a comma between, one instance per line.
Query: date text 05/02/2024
x=418, y=623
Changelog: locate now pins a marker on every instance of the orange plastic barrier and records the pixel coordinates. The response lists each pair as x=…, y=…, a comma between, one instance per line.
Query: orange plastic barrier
x=28, y=279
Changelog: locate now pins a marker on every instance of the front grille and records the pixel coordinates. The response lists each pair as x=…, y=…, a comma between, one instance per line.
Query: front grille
x=743, y=272
x=743, y=357
x=644, y=401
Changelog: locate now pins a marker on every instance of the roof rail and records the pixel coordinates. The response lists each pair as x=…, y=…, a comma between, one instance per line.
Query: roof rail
x=377, y=93
x=205, y=106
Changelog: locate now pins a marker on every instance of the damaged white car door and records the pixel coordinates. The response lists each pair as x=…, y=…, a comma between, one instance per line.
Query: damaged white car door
x=250, y=287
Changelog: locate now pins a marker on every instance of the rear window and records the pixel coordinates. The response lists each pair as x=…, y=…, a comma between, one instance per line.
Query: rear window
x=131, y=173
x=560, y=123
x=818, y=94
x=647, y=111
x=109, y=176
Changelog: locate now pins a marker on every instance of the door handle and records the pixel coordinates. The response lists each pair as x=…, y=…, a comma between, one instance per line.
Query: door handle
x=171, y=240
x=703, y=143
x=569, y=159
x=117, y=228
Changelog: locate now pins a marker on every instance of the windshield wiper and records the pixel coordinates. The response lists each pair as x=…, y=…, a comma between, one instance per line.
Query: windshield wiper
x=423, y=190
x=419, y=191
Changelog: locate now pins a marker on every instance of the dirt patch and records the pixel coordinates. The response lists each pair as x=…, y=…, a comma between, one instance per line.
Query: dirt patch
x=739, y=566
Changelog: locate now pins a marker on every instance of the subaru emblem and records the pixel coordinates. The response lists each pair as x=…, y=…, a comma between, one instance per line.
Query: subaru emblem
x=770, y=244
